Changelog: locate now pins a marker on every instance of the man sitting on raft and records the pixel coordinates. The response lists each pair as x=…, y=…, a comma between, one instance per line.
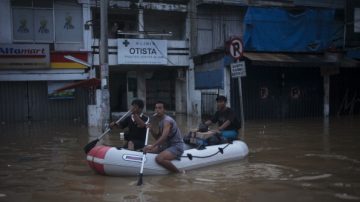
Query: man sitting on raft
x=226, y=118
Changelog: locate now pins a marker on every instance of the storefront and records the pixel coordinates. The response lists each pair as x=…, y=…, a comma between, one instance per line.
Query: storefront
x=29, y=78
x=148, y=69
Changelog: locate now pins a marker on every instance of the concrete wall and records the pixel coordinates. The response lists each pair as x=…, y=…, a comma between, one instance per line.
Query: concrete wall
x=216, y=24
x=5, y=22
x=194, y=96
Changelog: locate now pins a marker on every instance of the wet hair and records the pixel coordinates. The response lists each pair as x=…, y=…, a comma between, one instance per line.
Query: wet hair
x=221, y=98
x=161, y=102
x=138, y=103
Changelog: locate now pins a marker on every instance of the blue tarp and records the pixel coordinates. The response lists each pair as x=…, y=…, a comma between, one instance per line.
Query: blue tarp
x=212, y=79
x=278, y=30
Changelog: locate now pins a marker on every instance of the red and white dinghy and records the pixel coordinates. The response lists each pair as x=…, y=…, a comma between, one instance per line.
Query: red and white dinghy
x=114, y=161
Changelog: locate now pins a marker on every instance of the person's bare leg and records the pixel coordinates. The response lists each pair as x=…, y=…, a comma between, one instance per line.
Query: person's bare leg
x=130, y=145
x=164, y=159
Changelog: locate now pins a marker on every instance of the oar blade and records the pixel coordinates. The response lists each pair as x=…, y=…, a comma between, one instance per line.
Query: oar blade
x=90, y=145
x=140, y=180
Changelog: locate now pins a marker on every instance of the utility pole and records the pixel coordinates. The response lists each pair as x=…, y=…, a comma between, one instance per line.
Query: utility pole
x=104, y=66
x=141, y=19
x=193, y=27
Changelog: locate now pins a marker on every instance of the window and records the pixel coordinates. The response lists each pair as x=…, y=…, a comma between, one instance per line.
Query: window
x=32, y=20
x=118, y=19
x=47, y=21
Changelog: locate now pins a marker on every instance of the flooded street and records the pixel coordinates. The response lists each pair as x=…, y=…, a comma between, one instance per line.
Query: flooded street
x=297, y=160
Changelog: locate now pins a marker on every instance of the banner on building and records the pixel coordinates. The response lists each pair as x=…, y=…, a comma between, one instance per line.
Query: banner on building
x=142, y=51
x=24, y=56
x=58, y=60
x=53, y=93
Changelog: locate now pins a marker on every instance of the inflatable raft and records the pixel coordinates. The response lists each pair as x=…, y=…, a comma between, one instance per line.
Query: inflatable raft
x=122, y=162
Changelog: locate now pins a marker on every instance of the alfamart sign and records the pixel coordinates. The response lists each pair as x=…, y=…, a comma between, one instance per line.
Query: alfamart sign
x=24, y=56
x=142, y=51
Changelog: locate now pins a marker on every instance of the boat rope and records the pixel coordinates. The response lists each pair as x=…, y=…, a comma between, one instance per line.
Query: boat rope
x=220, y=150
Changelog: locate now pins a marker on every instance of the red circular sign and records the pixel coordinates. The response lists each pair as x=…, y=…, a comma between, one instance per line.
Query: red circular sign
x=236, y=48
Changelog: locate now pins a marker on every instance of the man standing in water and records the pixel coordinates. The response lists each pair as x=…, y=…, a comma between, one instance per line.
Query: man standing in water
x=170, y=144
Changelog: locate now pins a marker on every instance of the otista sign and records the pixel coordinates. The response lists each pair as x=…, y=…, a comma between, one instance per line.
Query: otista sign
x=146, y=47
x=142, y=51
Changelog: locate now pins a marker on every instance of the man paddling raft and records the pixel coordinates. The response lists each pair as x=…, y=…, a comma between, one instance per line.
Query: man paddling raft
x=170, y=144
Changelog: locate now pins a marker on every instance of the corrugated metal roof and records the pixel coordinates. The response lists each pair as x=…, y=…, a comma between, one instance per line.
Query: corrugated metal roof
x=226, y=2
x=338, y=4
x=298, y=59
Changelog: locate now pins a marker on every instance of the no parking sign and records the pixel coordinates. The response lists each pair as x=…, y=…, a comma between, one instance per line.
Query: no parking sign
x=236, y=48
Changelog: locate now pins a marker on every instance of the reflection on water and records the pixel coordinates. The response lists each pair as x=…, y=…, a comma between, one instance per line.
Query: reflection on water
x=297, y=160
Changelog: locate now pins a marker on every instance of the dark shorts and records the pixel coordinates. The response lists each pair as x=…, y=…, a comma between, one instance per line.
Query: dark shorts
x=177, y=150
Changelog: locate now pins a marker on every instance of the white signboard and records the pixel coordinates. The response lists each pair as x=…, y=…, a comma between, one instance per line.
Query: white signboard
x=238, y=69
x=142, y=51
x=24, y=56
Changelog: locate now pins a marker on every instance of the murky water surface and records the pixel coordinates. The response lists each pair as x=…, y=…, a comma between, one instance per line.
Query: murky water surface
x=298, y=160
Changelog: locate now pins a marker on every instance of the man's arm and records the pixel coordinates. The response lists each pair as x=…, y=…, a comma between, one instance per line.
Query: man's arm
x=208, y=122
x=164, y=134
x=122, y=124
x=224, y=125
x=162, y=139
x=139, y=122
x=230, y=115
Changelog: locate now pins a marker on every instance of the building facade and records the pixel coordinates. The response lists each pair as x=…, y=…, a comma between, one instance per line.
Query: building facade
x=148, y=55
x=148, y=52
x=34, y=38
x=178, y=51
x=295, y=55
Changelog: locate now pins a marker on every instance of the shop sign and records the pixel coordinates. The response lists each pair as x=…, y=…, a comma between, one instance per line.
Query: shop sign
x=142, y=51
x=24, y=56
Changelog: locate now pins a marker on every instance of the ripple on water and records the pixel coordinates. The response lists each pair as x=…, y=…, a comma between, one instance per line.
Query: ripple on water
x=239, y=172
x=346, y=196
x=316, y=177
x=333, y=156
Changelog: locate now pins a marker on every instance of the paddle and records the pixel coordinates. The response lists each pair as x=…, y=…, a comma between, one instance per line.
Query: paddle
x=140, y=181
x=92, y=144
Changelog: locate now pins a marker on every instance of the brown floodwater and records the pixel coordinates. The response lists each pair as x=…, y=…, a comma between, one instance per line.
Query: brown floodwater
x=289, y=160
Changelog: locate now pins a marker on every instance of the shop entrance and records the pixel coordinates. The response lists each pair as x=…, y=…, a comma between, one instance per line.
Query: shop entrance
x=118, y=92
x=161, y=86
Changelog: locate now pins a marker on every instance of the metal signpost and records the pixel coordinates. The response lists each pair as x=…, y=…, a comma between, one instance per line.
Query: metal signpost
x=238, y=70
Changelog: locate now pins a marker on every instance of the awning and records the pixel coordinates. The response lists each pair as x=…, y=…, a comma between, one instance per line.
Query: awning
x=300, y=60
x=94, y=82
